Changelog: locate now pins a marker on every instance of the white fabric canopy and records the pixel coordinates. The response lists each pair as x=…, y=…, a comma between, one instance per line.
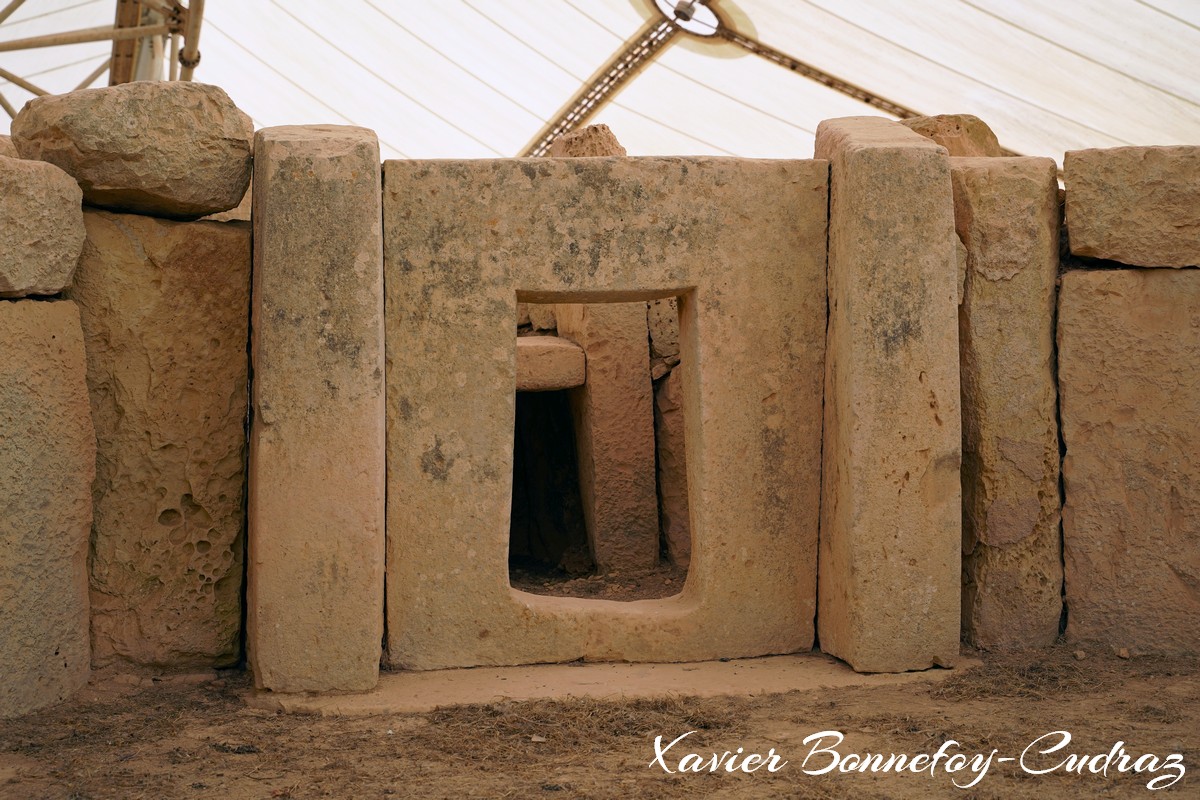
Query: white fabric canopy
x=480, y=78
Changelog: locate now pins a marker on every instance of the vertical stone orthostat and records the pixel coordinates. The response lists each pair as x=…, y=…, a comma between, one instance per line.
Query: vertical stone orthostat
x=316, y=547
x=47, y=460
x=889, y=579
x=1007, y=214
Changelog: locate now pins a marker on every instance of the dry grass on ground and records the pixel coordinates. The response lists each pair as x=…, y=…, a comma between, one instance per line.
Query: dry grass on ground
x=180, y=740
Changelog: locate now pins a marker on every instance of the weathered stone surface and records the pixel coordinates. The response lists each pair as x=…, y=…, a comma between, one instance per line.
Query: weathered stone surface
x=960, y=134
x=240, y=212
x=546, y=363
x=315, y=592
x=1129, y=343
x=1136, y=205
x=41, y=228
x=7, y=148
x=47, y=460
x=1006, y=211
x=741, y=240
x=670, y=441
x=164, y=316
x=614, y=432
x=890, y=511
x=174, y=149
x=541, y=316
x=662, y=317
x=592, y=140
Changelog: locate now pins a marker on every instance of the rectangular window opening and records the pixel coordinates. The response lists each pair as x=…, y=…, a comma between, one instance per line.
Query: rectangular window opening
x=599, y=504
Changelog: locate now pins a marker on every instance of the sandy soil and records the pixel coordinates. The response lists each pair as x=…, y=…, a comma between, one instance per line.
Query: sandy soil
x=174, y=739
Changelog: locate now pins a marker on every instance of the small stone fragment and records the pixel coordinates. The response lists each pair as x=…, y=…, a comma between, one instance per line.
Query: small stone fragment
x=1123, y=652
x=6, y=147
x=960, y=134
x=175, y=149
x=594, y=140
x=1080, y=655
x=41, y=228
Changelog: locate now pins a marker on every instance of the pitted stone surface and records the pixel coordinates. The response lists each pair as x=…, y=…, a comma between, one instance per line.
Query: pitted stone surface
x=175, y=149
x=1136, y=205
x=164, y=316
x=315, y=586
x=1129, y=343
x=961, y=134
x=590, y=141
x=740, y=239
x=47, y=460
x=890, y=511
x=547, y=363
x=41, y=228
x=1006, y=211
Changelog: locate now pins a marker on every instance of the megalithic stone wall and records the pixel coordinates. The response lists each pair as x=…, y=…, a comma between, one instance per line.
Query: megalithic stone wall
x=1007, y=214
x=889, y=582
x=47, y=460
x=316, y=547
x=164, y=308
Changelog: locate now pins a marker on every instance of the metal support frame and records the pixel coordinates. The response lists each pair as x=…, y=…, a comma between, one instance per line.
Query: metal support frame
x=142, y=32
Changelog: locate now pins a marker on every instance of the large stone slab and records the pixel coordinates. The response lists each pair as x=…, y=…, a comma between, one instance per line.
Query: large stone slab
x=1129, y=343
x=1136, y=205
x=164, y=306
x=1007, y=214
x=614, y=433
x=961, y=134
x=464, y=241
x=41, y=228
x=549, y=363
x=47, y=460
x=890, y=510
x=315, y=592
x=670, y=443
x=175, y=149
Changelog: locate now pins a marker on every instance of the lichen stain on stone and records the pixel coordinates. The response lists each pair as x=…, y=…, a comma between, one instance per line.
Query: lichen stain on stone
x=899, y=321
x=435, y=463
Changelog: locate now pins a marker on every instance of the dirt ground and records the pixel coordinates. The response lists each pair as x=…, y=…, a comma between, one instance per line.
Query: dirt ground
x=175, y=739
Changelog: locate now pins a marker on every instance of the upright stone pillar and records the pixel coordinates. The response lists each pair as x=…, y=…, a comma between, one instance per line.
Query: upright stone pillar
x=613, y=410
x=1006, y=211
x=47, y=461
x=316, y=546
x=890, y=512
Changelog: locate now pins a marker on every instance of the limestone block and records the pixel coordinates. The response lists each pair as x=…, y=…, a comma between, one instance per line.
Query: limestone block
x=739, y=240
x=163, y=306
x=1136, y=205
x=176, y=149
x=315, y=592
x=7, y=148
x=546, y=363
x=47, y=460
x=41, y=228
x=1006, y=211
x=541, y=316
x=890, y=511
x=961, y=134
x=670, y=442
x=614, y=433
x=1129, y=343
x=592, y=140
x=662, y=317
